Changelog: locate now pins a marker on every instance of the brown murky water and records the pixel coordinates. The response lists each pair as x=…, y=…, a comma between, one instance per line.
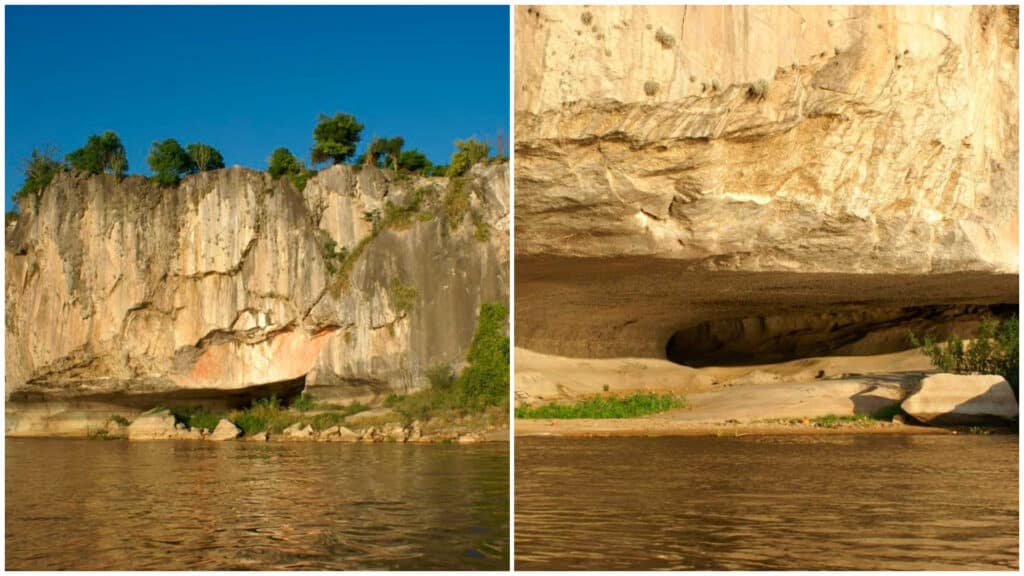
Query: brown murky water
x=81, y=504
x=758, y=503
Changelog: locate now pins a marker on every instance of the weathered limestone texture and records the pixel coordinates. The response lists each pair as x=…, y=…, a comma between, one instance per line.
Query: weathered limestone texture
x=958, y=399
x=226, y=286
x=850, y=139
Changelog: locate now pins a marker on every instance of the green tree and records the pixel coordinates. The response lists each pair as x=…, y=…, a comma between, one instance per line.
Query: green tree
x=284, y=163
x=392, y=148
x=39, y=171
x=467, y=153
x=102, y=154
x=204, y=157
x=335, y=138
x=413, y=161
x=168, y=161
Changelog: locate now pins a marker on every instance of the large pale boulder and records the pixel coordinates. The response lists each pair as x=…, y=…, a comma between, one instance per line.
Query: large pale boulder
x=153, y=425
x=225, y=430
x=956, y=399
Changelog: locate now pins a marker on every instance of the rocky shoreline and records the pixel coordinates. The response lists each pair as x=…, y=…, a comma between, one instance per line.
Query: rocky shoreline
x=162, y=425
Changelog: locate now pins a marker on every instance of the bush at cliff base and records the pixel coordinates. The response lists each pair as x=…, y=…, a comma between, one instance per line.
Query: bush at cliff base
x=995, y=350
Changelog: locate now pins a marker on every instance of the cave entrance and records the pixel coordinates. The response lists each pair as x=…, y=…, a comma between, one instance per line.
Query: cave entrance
x=209, y=398
x=858, y=331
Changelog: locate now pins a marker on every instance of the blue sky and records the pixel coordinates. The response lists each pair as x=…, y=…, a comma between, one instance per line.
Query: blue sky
x=248, y=79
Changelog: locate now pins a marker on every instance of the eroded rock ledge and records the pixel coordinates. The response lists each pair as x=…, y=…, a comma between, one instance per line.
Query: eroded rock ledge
x=224, y=288
x=809, y=139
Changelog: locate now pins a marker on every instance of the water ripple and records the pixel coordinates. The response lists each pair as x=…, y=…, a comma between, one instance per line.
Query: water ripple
x=89, y=505
x=836, y=503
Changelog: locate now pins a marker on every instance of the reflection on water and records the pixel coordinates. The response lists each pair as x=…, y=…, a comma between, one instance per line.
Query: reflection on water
x=829, y=502
x=81, y=504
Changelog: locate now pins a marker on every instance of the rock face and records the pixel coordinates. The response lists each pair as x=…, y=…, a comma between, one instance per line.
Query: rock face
x=156, y=425
x=845, y=139
x=233, y=285
x=955, y=399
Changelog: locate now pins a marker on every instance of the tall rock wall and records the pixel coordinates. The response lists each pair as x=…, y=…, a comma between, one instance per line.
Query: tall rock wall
x=125, y=292
x=849, y=139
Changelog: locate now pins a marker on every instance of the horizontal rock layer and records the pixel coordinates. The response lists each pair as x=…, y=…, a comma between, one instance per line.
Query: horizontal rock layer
x=122, y=292
x=811, y=139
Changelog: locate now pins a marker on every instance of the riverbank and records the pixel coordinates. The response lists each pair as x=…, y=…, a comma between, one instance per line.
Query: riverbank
x=661, y=427
x=828, y=395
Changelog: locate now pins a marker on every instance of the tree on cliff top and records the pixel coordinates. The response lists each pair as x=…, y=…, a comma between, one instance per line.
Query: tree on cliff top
x=168, y=161
x=204, y=157
x=468, y=152
x=39, y=171
x=102, y=154
x=335, y=138
x=283, y=163
x=413, y=161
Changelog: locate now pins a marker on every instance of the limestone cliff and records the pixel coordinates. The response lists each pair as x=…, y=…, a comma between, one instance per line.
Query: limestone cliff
x=232, y=283
x=845, y=139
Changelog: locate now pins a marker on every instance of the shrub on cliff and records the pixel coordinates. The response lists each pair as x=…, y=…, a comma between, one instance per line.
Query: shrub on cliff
x=204, y=157
x=483, y=383
x=467, y=153
x=995, y=350
x=486, y=378
x=39, y=171
x=413, y=161
x=335, y=138
x=168, y=161
x=102, y=154
x=283, y=163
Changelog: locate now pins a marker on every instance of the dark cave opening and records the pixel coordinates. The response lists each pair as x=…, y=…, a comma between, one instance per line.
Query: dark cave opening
x=857, y=331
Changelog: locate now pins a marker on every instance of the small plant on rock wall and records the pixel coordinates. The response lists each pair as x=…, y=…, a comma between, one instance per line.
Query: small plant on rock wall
x=403, y=296
x=651, y=87
x=664, y=38
x=758, y=90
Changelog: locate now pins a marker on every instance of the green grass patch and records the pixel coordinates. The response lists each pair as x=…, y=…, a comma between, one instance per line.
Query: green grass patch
x=639, y=404
x=263, y=415
x=195, y=417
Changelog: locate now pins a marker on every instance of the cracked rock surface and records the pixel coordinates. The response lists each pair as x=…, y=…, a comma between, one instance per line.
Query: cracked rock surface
x=122, y=289
x=846, y=139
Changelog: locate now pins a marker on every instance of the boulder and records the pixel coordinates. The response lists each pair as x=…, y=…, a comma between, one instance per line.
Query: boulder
x=225, y=430
x=298, y=432
x=153, y=425
x=960, y=400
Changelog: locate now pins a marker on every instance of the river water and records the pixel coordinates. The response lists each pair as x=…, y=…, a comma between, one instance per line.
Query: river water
x=93, y=505
x=757, y=503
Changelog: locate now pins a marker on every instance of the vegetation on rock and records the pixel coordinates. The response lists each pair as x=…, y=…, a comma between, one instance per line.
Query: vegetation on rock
x=40, y=169
x=483, y=383
x=467, y=153
x=335, y=138
x=204, y=157
x=168, y=161
x=995, y=350
x=102, y=154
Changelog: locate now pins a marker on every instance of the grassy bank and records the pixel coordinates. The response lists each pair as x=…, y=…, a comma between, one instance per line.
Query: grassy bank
x=639, y=404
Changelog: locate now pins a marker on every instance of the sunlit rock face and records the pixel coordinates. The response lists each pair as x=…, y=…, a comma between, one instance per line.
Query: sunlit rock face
x=121, y=290
x=841, y=139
